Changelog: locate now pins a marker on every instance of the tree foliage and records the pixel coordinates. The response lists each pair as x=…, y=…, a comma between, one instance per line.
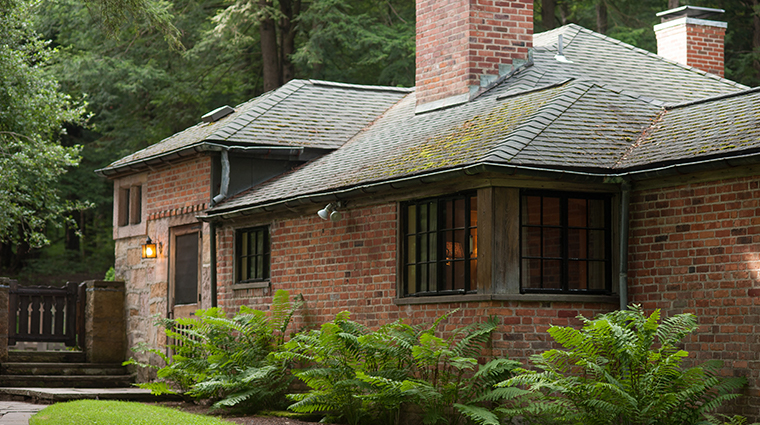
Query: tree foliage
x=33, y=112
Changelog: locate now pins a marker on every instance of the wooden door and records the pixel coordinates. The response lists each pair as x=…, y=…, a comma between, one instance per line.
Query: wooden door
x=184, y=279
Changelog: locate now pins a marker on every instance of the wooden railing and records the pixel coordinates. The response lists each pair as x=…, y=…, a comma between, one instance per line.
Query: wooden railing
x=46, y=314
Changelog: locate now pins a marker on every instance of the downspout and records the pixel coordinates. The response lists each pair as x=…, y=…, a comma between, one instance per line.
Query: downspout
x=225, y=184
x=625, y=200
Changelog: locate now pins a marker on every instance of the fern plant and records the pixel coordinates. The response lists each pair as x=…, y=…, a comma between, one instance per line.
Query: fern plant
x=620, y=368
x=367, y=377
x=228, y=359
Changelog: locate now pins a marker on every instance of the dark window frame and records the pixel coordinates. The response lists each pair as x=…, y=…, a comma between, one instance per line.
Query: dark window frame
x=242, y=260
x=565, y=228
x=436, y=263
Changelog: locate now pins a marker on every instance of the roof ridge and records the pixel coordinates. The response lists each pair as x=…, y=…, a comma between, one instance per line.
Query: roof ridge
x=268, y=100
x=712, y=98
x=549, y=110
x=656, y=56
x=639, y=140
x=361, y=86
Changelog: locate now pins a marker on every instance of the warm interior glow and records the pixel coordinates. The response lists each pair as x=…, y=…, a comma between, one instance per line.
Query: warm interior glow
x=149, y=249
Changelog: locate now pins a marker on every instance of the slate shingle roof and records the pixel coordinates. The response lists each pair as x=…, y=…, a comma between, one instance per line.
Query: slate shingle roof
x=620, y=66
x=545, y=127
x=723, y=126
x=302, y=113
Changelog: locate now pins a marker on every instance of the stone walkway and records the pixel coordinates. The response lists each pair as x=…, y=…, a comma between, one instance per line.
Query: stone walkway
x=17, y=412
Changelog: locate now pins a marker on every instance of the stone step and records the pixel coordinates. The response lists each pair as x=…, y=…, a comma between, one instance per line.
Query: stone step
x=67, y=369
x=17, y=356
x=63, y=381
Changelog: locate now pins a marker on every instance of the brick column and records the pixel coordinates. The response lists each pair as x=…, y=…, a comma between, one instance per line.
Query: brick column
x=105, y=328
x=4, y=286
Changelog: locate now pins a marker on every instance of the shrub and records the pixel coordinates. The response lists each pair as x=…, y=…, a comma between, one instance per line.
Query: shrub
x=227, y=360
x=620, y=368
x=365, y=377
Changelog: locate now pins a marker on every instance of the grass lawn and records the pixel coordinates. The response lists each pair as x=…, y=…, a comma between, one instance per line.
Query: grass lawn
x=85, y=412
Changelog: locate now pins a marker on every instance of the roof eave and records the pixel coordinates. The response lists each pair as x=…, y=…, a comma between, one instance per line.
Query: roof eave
x=602, y=176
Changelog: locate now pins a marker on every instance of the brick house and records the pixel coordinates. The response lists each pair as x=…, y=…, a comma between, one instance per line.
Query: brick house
x=531, y=177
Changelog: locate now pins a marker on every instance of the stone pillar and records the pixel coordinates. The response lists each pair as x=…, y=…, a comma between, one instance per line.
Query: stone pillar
x=105, y=329
x=4, y=286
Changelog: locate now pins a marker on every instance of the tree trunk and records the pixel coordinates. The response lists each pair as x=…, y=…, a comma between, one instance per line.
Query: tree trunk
x=269, y=51
x=290, y=10
x=672, y=4
x=547, y=14
x=756, y=36
x=601, y=17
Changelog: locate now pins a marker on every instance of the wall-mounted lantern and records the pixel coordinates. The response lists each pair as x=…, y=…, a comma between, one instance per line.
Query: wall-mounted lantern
x=150, y=249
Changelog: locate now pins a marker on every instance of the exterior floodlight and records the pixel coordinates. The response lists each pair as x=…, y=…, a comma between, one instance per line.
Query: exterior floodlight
x=330, y=212
x=150, y=249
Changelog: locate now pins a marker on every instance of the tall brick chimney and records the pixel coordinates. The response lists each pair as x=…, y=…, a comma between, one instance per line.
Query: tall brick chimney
x=687, y=37
x=462, y=44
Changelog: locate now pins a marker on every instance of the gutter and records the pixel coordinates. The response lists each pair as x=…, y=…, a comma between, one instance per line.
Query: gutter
x=404, y=182
x=475, y=169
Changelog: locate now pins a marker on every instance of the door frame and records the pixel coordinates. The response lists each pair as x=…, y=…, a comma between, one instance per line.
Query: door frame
x=183, y=310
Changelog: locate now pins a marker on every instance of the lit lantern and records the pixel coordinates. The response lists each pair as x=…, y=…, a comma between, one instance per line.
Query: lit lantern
x=149, y=249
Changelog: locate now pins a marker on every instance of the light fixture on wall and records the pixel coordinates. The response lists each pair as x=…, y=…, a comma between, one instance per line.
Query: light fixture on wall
x=330, y=212
x=150, y=249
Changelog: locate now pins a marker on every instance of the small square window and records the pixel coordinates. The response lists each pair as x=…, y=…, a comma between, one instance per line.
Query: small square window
x=130, y=205
x=252, y=254
x=565, y=243
x=440, y=246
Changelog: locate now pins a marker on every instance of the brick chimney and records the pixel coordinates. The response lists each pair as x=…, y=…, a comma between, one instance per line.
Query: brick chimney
x=463, y=44
x=687, y=37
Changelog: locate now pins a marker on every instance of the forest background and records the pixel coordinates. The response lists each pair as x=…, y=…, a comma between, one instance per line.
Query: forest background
x=132, y=72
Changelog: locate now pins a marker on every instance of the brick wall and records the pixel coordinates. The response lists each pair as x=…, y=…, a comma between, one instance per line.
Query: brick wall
x=351, y=265
x=696, y=249
x=180, y=186
x=700, y=46
x=457, y=41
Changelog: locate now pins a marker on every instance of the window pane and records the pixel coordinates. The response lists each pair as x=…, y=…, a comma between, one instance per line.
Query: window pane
x=473, y=211
x=474, y=243
x=473, y=275
x=531, y=274
x=424, y=217
x=596, y=213
x=424, y=278
x=531, y=241
x=597, y=275
x=244, y=244
x=576, y=212
x=259, y=242
x=459, y=213
x=411, y=249
x=551, y=212
x=411, y=219
x=577, y=277
x=552, y=242
x=552, y=274
x=448, y=276
x=597, y=245
x=532, y=210
x=411, y=279
x=576, y=243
